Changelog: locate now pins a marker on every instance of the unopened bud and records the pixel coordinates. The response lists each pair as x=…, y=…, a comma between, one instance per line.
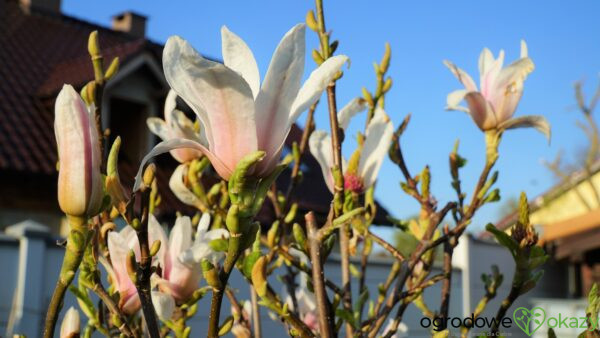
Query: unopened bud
x=385, y=61
x=149, y=174
x=94, y=45
x=112, y=69
x=259, y=276
x=155, y=248
x=311, y=21
x=131, y=265
x=71, y=324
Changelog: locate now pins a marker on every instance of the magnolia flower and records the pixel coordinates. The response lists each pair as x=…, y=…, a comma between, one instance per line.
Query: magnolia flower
x=119, y=246
x=239, y=115
x=178, y=279
x=239, y=329
x=361, y=172
x=201, y=248
x=70, y=324
x=176, y=125
x=307, y=308
x=494, y=104
x=79, y=177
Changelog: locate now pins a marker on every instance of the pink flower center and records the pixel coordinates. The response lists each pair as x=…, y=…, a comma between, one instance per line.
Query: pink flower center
x=353, y=183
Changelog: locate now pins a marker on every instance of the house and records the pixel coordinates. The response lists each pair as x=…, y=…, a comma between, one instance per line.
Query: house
x=567, y=217
x=41, y=50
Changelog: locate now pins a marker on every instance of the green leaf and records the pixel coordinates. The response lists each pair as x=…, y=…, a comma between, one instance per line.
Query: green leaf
x=346, y=315
x=503, y=238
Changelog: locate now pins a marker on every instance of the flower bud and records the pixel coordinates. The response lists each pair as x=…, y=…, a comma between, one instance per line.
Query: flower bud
x=79, y=179
x=70, y=324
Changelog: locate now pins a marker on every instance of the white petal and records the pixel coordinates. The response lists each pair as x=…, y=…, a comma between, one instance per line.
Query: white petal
x=279, y=89
x=319, y=144
x=524, y=51
x=118, y=250
x=316, y=83
x=164, y=305
x=179, y=188
x=180, y=238
x=220, y=97
x=170, y=104
x=310, y=92
x=158, y=127
x=377, y=143
x=203, y=225
x=238, y=56
x=156, y=233
x=455, y=97
x=354, y=107
x=166, y=146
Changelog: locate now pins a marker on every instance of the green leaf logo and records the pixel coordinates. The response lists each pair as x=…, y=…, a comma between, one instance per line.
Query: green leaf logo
x=529, y=320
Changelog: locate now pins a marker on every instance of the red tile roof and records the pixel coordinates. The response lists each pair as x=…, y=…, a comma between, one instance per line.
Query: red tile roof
x=40, y=52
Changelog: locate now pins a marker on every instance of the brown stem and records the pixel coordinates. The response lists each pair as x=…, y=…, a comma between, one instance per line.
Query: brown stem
x=144, y=268
x=387, y=246
x=446, y=284
x=283, y=251
x=326, y=321
x=99, y=290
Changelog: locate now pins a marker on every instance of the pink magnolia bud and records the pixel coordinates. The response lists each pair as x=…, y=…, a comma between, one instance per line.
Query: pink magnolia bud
x=70, y=325
x=79, y=178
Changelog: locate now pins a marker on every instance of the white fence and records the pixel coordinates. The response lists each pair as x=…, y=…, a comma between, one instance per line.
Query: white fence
x=30, y=260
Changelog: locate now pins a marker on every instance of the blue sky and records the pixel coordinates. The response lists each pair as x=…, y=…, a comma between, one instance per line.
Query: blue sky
x=563, y=43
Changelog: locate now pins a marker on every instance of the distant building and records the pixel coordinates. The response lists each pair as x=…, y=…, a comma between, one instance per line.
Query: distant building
x=41, y=50
x=567, y=217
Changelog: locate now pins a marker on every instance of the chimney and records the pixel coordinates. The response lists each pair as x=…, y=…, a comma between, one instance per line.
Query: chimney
x=131, y=23
x=52, y=6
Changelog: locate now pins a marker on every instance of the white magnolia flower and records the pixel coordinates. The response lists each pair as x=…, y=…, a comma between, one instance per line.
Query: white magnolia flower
x=176, y=125
x=201, y=248
x=377, y=141
x=238, y=114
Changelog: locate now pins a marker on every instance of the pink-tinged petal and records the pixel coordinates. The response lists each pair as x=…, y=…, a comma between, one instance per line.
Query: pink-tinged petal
x=311, y=320
x=350, y=110
x=488, y=78
x=163, y=304
x=279, y=89
x=118, y=250
x=462, y=76
x=182, y=282
x=79, y=179
x=130, y=303
x=156, y=233
x=481, y=111
x=486, y=59
x=220, y=97
x=179, y=188
x=238, y=56
x=378, y=138
x=166, y=146
x=319, y=144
